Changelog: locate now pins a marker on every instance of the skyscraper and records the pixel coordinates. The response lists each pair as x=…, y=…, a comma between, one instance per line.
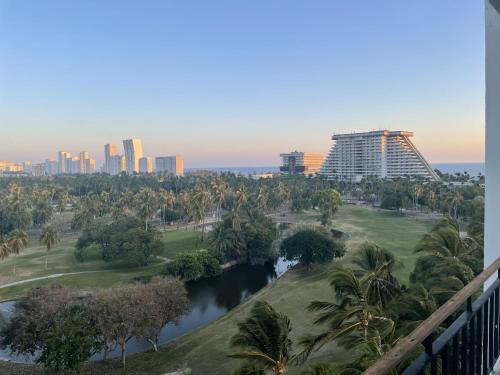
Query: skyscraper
x=381, y=154
x=173, y=165
x=84, y=156
x=146, y=164
x=109, y=152
x=89, y=166
x=62, y=159
x=116, y=164
x=133, y=152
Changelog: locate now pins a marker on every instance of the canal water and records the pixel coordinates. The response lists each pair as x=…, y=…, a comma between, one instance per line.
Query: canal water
x=210, y=299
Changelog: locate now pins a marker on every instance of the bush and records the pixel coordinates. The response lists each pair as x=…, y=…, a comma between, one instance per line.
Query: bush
x=193, y=266
x=312, y=246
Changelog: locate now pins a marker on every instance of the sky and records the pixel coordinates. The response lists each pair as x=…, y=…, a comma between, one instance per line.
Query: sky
x=236, y=83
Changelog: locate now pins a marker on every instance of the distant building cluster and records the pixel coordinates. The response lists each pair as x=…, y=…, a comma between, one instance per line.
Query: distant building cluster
x=131, y=162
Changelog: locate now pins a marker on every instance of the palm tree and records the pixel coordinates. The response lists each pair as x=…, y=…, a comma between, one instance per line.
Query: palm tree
x=454, y=201
x=377, y=266
x=264, y=339
x=146, y=204
x=17, y=241
x=202, y=201
x=166, y=199
x=4, y=250
x=219, y=189
x=353, y=320
x=444, y=240
x=49, y=238
x=241, y=196
x=262, y=198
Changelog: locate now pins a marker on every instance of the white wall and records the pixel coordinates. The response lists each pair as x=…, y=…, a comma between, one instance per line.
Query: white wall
x=492, y=223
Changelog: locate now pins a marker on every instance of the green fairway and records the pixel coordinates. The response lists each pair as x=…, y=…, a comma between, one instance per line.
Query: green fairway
x=205, y=350
x=95, y=272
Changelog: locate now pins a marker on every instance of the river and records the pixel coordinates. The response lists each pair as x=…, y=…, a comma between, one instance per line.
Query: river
x=210, y=299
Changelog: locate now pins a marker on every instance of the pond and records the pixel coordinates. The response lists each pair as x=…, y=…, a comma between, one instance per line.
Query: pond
x=210, y=299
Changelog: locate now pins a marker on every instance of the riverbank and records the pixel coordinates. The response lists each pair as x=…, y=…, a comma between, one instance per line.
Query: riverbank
x=205, y=350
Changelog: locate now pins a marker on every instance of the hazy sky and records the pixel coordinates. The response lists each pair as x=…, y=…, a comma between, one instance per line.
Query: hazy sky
x=232, y=83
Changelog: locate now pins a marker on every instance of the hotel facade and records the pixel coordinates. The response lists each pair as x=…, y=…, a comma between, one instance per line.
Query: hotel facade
x=381, y=154
x=306, y=163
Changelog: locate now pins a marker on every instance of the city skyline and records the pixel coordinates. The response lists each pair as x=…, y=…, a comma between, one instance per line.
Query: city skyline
x=235, y=85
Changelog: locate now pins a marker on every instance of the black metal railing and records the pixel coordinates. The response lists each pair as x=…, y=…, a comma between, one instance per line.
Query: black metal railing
x=469, y=346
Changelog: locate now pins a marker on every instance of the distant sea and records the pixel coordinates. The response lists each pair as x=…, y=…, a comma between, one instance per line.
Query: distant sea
x=472, y=168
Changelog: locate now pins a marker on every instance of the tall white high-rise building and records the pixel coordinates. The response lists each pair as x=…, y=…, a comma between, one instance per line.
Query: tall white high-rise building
x=74, y=166
x=64, y=164
x=84, y=156
x=173, y=165
x=381, y=154
x=51, y=167
x=109, y=152
x=89, y=166
x=116, y=164
x=146, y=164
x=133, y=152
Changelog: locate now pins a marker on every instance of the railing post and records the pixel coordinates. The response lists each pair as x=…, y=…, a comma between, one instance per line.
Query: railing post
x=428, y=345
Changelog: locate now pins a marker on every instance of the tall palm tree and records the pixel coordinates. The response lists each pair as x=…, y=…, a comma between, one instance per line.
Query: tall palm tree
x=352, y=320
x=444, y=240
x=454, y=201
x=166, y=199
x=377, y=266
x=17, y=241
x=264, y=338
x=146, y=204
x=202, y=201
x=49, y=238
x=241, y=195
x=4, y=249
x=219, y=189
x=262, y=198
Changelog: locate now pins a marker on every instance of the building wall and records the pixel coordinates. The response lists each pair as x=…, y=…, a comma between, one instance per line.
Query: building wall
x=133, y=152
x=492, y=219
x=170, y=164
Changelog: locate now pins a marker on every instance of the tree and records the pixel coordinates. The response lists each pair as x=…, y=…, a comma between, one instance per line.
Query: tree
x=202, y=201
x=49, y=238
x=164, y=301
x=17, y=241
x=310, y=246
x=42, y=212
x=352, y=319
x=124, y=239
x=327, y=201
x=146, y=204
x=219, y=189
x=33, y=316
x=4, y=249
x=72, y=339
x=264, y=338
x=444, y=240
x=117, y=315
x=377, y=266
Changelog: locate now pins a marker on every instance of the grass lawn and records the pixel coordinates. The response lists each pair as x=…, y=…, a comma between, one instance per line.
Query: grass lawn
x=205, y=350
x=31, y=264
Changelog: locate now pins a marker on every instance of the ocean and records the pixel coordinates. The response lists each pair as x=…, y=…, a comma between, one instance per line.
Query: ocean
x=472, y=168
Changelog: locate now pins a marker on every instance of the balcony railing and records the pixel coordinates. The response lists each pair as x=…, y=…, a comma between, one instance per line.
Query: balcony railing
x=469, y=346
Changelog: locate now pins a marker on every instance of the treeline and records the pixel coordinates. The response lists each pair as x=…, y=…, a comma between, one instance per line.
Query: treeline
x=64, y=328
x=370, y=310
